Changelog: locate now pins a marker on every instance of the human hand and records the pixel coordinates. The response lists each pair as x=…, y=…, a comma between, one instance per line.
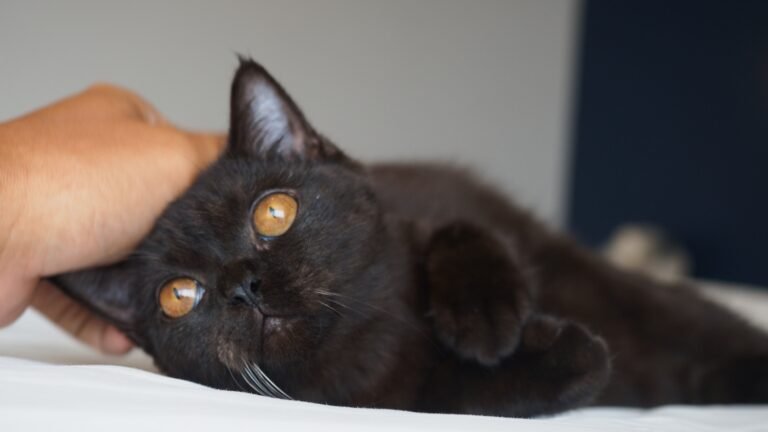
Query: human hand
x=81, y=183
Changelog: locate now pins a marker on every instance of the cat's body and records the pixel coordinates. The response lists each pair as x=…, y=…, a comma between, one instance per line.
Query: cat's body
x=404, y=286
x=663, y=339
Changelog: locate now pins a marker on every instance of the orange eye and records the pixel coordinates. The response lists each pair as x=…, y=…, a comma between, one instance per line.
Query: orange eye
x=275, y=214
x=179, y=296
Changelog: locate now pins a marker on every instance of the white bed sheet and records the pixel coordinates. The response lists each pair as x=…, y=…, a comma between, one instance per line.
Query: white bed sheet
x=49, y=382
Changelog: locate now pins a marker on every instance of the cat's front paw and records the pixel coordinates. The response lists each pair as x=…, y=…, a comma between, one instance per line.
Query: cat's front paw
x=563, y=360
x=479, y=296
x=483, y=332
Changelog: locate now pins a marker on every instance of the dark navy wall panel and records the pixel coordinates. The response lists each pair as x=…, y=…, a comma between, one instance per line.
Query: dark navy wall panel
x=672, y=128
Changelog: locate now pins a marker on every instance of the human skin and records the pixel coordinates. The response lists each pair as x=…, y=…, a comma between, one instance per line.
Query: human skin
x=81, y=183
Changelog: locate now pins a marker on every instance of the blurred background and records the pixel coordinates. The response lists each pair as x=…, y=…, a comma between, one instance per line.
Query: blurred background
x=595, y=114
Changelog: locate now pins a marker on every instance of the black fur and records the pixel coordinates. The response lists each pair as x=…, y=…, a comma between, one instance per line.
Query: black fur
x=406, y=286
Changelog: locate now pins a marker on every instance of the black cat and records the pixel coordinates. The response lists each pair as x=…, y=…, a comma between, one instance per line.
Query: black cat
x=290, y=270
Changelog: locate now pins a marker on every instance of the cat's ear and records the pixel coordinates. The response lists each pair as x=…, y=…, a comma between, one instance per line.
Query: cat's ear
x=108, y=291
x=266, y=123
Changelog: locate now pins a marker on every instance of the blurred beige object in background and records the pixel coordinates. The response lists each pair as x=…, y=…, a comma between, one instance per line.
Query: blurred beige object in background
x=646, y=249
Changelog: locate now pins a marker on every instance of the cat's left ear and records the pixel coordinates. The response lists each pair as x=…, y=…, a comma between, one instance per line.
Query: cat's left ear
x=266, y=123
x=111, y=292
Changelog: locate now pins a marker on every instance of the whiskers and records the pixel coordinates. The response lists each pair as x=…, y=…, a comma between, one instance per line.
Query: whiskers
x=334, y=298
x=342, y=301
x=329, y=307
x=260, y=383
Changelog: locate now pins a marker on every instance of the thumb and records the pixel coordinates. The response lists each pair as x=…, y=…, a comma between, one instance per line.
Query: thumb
x=79, y=321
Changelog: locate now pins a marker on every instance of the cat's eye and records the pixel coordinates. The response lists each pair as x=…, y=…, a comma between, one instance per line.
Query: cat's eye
x=179, y=296
x=275, y=214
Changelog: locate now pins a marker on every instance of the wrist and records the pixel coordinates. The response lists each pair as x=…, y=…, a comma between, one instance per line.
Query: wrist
x=13, y=199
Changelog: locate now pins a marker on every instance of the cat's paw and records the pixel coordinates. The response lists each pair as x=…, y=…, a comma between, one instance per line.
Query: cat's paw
x=479, y=296
x=564, y=359
x=484, y=332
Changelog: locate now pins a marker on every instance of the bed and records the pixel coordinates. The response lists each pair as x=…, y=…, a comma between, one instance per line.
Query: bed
x=50, y=382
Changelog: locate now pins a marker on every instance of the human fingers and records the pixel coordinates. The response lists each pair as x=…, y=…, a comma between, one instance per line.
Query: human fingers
x=75, y=319
x=16, y=292
x=101, y=102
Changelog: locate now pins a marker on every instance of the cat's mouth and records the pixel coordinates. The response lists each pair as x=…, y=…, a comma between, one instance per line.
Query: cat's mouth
x=276, y=324
x=276, y=332
x=268, y=337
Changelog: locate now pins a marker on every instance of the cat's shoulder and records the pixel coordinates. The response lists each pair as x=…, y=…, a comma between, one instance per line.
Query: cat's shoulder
x=444, y=192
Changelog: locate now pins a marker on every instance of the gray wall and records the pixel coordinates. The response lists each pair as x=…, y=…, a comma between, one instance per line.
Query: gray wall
x=486, y=83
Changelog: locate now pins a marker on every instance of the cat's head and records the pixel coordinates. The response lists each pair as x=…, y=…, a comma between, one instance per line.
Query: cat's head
x=265, y=261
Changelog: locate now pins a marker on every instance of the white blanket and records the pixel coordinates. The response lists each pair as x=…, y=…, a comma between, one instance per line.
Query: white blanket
x=50, y=383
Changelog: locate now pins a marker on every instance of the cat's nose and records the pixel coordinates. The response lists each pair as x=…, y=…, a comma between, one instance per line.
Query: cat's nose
x=247, y=293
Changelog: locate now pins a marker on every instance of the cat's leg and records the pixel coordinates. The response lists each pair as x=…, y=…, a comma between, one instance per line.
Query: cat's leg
x=479, y=292
x=558, y=365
